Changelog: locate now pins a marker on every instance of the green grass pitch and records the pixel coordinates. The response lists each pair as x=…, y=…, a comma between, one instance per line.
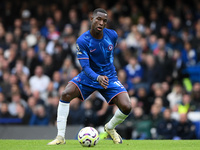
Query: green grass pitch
x=102, y=145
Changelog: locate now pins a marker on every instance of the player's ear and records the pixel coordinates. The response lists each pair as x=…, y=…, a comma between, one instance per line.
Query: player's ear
x=91, y=18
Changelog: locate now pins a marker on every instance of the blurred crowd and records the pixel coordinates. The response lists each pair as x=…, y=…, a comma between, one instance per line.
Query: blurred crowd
x=157, y=41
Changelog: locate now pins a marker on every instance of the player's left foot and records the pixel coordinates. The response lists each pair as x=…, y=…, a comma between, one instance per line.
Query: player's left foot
x=57, y=141
x=114, y=135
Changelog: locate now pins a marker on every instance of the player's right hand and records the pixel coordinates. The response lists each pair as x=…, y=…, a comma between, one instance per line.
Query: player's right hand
x=103, y=81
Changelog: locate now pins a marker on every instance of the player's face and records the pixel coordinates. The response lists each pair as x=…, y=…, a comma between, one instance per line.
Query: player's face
x=99, y=22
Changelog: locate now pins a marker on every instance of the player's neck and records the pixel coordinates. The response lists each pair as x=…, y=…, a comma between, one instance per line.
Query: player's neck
x=96, y=35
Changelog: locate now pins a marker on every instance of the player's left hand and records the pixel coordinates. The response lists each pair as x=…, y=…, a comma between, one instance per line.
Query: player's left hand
x=103, y=81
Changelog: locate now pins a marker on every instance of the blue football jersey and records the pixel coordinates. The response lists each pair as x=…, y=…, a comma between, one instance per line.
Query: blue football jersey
x=100, y=54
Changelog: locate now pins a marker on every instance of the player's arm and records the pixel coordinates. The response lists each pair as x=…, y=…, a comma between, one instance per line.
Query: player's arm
x=85, y=64
x=86, y=68
x=103, y=80
x=83, y=58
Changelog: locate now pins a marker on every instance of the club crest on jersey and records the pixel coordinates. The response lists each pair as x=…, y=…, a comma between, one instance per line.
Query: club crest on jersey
x=110, y=47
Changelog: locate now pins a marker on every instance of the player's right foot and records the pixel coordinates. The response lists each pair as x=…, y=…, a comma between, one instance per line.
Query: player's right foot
x=114, y=135
x=57, y=141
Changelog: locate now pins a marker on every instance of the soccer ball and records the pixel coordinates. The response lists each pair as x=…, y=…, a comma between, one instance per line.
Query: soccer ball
x=88, y=137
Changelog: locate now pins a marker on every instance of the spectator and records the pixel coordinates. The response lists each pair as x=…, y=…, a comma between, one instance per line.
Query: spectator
x=5, y=84
x=122, y=54
x=159, y=102
x=50, y=90
x=134, y=71
x=141, y=125
x=158, y=91
x=20, y=68
x=53, y=36
x=155, y=115
x=166, y=128
x=166, y=88
x=126, y=82
x=31, y=60
x=2, y=38
x=133, y=38
x=175, y=42
x=32, y=102
x=52, y=105
x=151, y=73
x=178, y=67
x=17, y=35
x=76, y=114
x=15, y=99
x=25, y=16
x=164, y=64
x=57, y=80
x=11, y=56
x=152, y=42
x=48, y=65
x=189, y=55
x=161, y=46
x=186, y=104
x=44, y=29
x=89, y=114
x=4, y=113
x=175, y=96
x=74, y=20
x=39, y=117
x=23, y=49
x=9, y=38
x=141, y=24
x=195, y=40
x=41, y=49
x=176, y=26
x=67, y=66
x=185, y=128
x=38, y=99
x=154, y=22
x=195, y=94
x=59, y=56
x=2, y=98
x=84, y=26
x=100, y=108
x=39, y=82
x=58, y=20
x=22, y=114
x=144, y=100
x=164, y=33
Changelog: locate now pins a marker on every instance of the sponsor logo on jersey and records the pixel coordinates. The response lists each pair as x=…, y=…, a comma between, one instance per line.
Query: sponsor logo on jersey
x=77, y=47
x=79, y=53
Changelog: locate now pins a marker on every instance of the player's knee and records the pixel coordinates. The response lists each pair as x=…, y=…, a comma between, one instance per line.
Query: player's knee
x=66, y=96
x=126, y=109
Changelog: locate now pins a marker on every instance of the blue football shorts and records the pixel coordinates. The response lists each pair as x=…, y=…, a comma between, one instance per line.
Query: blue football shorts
x=114, y=88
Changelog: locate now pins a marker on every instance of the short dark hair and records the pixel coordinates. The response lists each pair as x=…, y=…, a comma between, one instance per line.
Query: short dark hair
x=99, y=10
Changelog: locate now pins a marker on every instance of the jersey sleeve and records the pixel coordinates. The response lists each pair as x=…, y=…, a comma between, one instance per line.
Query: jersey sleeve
x=81, y=50
x=83, y=58
x=115, y=37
